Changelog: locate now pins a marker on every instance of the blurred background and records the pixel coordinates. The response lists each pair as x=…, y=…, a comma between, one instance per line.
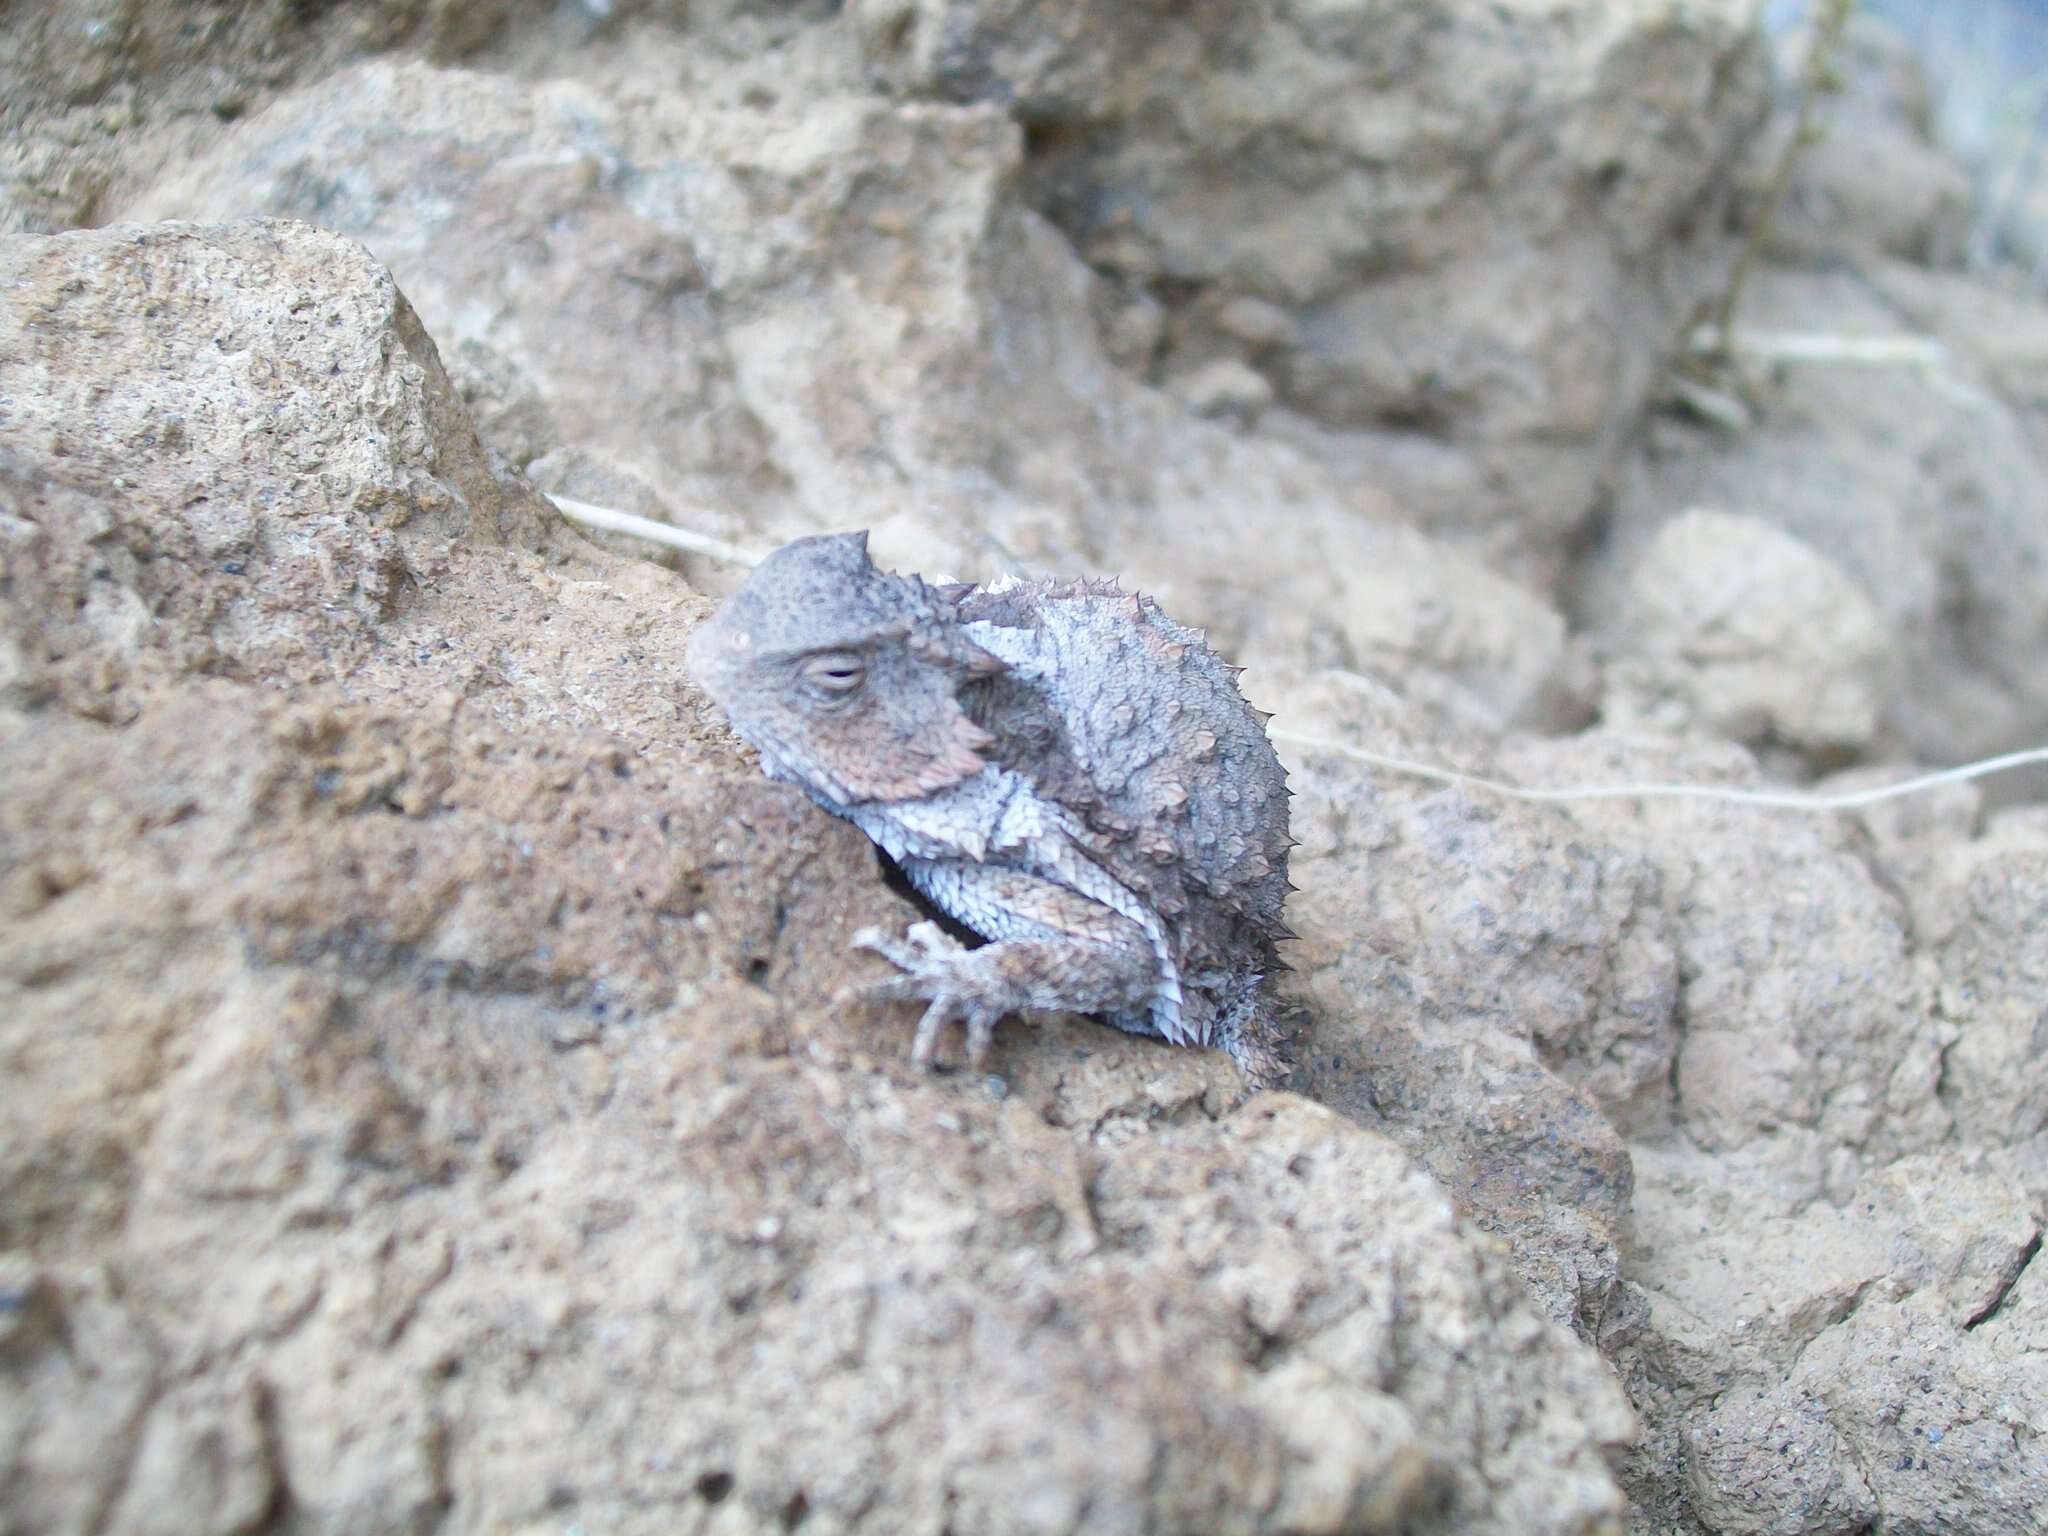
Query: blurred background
x=1987, y=63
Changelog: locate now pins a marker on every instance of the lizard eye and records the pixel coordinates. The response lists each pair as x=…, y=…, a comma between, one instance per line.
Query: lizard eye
x=834, y=674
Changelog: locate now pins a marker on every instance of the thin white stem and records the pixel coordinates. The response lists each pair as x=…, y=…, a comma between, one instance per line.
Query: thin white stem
x=1777, y=800
x=614, y=521
x=1826, y=347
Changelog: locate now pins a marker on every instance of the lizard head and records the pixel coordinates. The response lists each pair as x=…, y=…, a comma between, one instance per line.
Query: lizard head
x=845, y=677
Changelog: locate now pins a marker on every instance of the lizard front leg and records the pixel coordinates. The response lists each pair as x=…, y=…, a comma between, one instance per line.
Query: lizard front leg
x=1050, y=948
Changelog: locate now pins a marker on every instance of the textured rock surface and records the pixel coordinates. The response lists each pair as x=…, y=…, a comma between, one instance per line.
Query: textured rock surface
x=98, y=96
x=1925, y=486
x=424, y=1101
x=838, y=319
x=1469, y=250
x=1875, y=181
x=1491, y=990
x=1927, y=493
x=1821, y=1232
x=1730, y=627
x=1753, y=1099
x=423, y=1065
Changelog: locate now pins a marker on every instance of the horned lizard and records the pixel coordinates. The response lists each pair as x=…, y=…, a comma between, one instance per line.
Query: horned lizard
x=1058, y=766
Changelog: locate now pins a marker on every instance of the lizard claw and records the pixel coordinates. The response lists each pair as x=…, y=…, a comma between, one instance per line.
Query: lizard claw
x=935, y=971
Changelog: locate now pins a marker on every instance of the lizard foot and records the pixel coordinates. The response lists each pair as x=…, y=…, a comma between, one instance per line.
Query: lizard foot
x=943, y=973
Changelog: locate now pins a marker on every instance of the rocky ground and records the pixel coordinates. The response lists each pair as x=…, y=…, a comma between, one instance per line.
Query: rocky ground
x=422, y=1100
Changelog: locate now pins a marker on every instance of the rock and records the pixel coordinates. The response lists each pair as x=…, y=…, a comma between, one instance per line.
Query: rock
x=1256, y=323
x=77, y=1373
x=1458, y=248
x=99, y=97
x=1991, y=942
x=1926, y=493
x=1835, y=1363
x=490, y=174
x=1816, y=1200
x=575, y=1208
x=1958, y=1457
x=1923, y=484
x=1730, y=627
x=287, y=404
x=1787, y=1193
x=505, y=402
x=203, y=1463
x=1804, y=1007
x=426, y=1066
x=1491, y=987
x=1910, y=840
x=1224, y=388
x=686, y=351
x=1765, y=1465
x=1873, y=180
x=2002, y=333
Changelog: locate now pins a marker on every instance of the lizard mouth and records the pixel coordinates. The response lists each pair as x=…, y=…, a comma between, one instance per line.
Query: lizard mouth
x=873, y=774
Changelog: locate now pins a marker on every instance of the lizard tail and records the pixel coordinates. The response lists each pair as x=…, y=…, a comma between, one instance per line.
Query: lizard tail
x=1253, y=1030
